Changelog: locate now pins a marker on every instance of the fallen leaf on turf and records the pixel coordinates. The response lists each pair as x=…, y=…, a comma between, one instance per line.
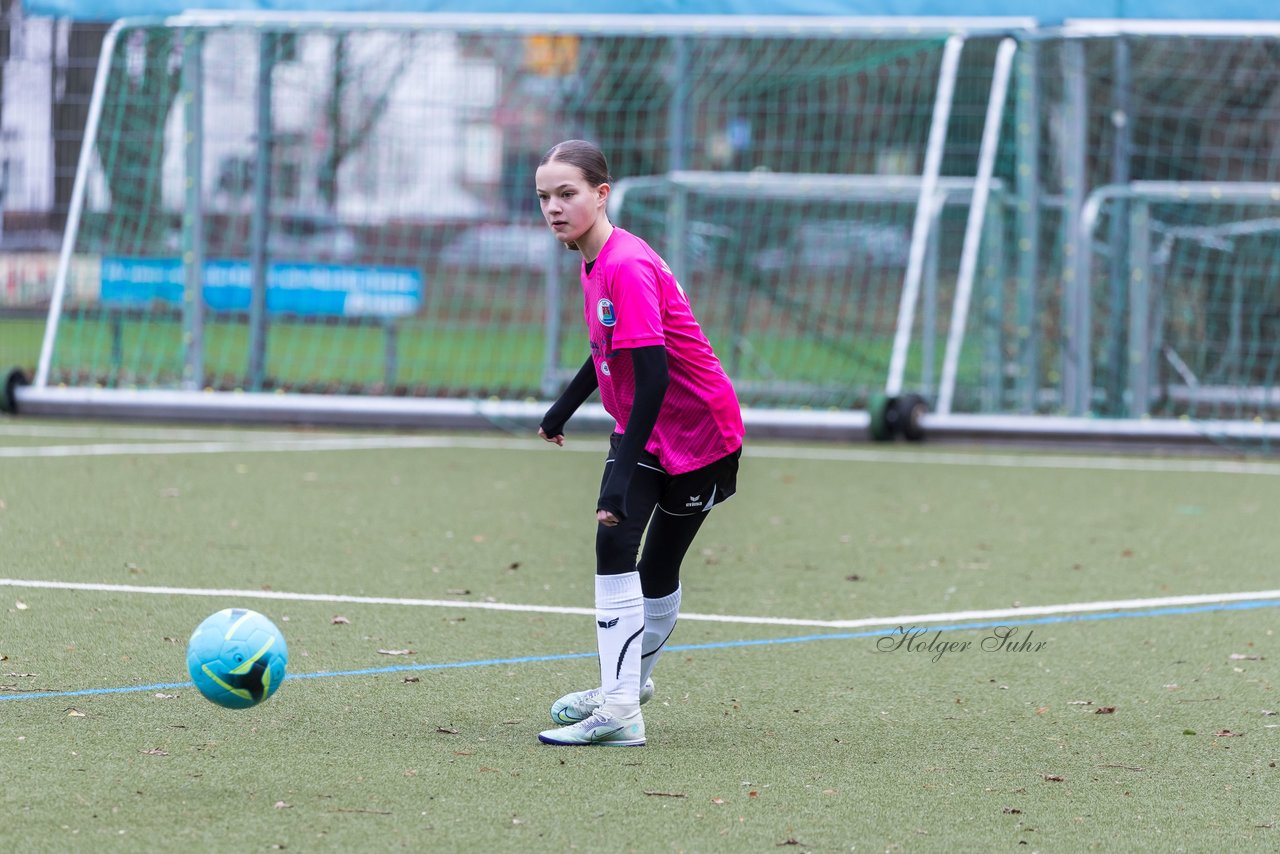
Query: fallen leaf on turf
x=3, y=657
x=1226, y=733
x=459, y=591
x=395, y=652
x=408, y=679
x=447, y=730
x=1105, y=710
x=154, y=751
x=1188, y=732
x=718, y=801
x=753, y=794
x=165, y=696
x=75, y=713
x=1012, y=811
x=1053, y=778
x=854, y=577
x=654, y=794
x=20, y=605
x=281, y=805
x=339, y=620
x=411, y=772
x=1267, y=712
x=486, y=768
x=791, y=840
x=1240, y=656
x=1080, y=703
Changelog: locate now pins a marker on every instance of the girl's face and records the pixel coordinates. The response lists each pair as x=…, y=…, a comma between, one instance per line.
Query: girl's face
x=570, y=205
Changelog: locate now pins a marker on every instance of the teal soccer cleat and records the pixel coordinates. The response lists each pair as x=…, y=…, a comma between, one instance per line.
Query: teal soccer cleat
x=579, y=705
x=600, y=728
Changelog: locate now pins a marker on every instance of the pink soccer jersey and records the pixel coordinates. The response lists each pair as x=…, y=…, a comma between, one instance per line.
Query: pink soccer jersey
x=631, y=299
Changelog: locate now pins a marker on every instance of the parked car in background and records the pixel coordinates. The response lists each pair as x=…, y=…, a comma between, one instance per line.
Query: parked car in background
x=826, y=245
x=493, y=246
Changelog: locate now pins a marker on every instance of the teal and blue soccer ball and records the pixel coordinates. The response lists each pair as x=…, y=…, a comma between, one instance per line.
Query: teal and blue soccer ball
x=237, y=658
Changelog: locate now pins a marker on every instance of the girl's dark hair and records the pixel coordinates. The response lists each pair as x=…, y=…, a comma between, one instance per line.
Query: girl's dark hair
x=587, y=156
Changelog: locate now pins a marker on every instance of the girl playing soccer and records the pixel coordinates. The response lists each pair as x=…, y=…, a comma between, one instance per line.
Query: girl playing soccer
x=672, y=457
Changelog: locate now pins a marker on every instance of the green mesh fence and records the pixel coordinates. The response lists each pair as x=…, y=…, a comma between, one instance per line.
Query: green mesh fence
x=367, y=221
x=398, y=234
x=1167, y=145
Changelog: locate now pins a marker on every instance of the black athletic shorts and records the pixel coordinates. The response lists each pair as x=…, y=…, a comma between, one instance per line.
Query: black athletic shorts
x=694, y=491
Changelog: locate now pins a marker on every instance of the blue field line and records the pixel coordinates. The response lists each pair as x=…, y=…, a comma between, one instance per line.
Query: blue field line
x=568, y=656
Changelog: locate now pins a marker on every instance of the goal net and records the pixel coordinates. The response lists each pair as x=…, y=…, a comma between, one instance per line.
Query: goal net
x=345, y=205
x=1165, y=236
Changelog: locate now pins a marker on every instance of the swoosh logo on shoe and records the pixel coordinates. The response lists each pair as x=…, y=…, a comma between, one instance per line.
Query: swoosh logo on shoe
x=562, y=717
x=597, y=735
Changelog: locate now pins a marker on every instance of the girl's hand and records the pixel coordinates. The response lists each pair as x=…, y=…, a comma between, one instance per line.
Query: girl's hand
x=604, y=517
x=558, y=439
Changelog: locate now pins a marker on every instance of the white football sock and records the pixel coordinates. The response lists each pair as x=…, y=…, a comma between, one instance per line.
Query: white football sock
x=619, y=626
x=659, y=621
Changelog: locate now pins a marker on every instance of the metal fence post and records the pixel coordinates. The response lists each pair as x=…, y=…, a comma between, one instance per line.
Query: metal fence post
x=1141, y=355
x=193, y=211
x=1077, y=364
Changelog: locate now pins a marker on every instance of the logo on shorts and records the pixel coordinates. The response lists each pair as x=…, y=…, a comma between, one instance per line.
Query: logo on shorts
x=604, y=367
x=604, y=313
x=694, y=501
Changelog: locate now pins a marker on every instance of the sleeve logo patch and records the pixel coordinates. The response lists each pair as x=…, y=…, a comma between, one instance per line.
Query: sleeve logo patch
x=604, y=313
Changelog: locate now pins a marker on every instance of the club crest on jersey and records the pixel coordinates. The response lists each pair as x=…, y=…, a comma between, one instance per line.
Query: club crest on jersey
x=604, y=313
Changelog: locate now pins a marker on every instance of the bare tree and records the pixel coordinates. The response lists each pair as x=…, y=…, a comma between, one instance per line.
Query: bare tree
x=352, y=119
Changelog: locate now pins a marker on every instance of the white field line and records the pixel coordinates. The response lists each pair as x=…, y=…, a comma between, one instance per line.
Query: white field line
x=131, y=433
x=336, y=443
x=777, y=452
x=865, y=622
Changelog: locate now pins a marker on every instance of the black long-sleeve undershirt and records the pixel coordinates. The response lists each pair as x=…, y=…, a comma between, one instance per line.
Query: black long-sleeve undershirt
x=574, y=395
x=651, y=379
x=649, y=365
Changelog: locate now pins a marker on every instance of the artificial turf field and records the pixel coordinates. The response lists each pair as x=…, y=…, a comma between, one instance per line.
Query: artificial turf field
x=851, y=695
